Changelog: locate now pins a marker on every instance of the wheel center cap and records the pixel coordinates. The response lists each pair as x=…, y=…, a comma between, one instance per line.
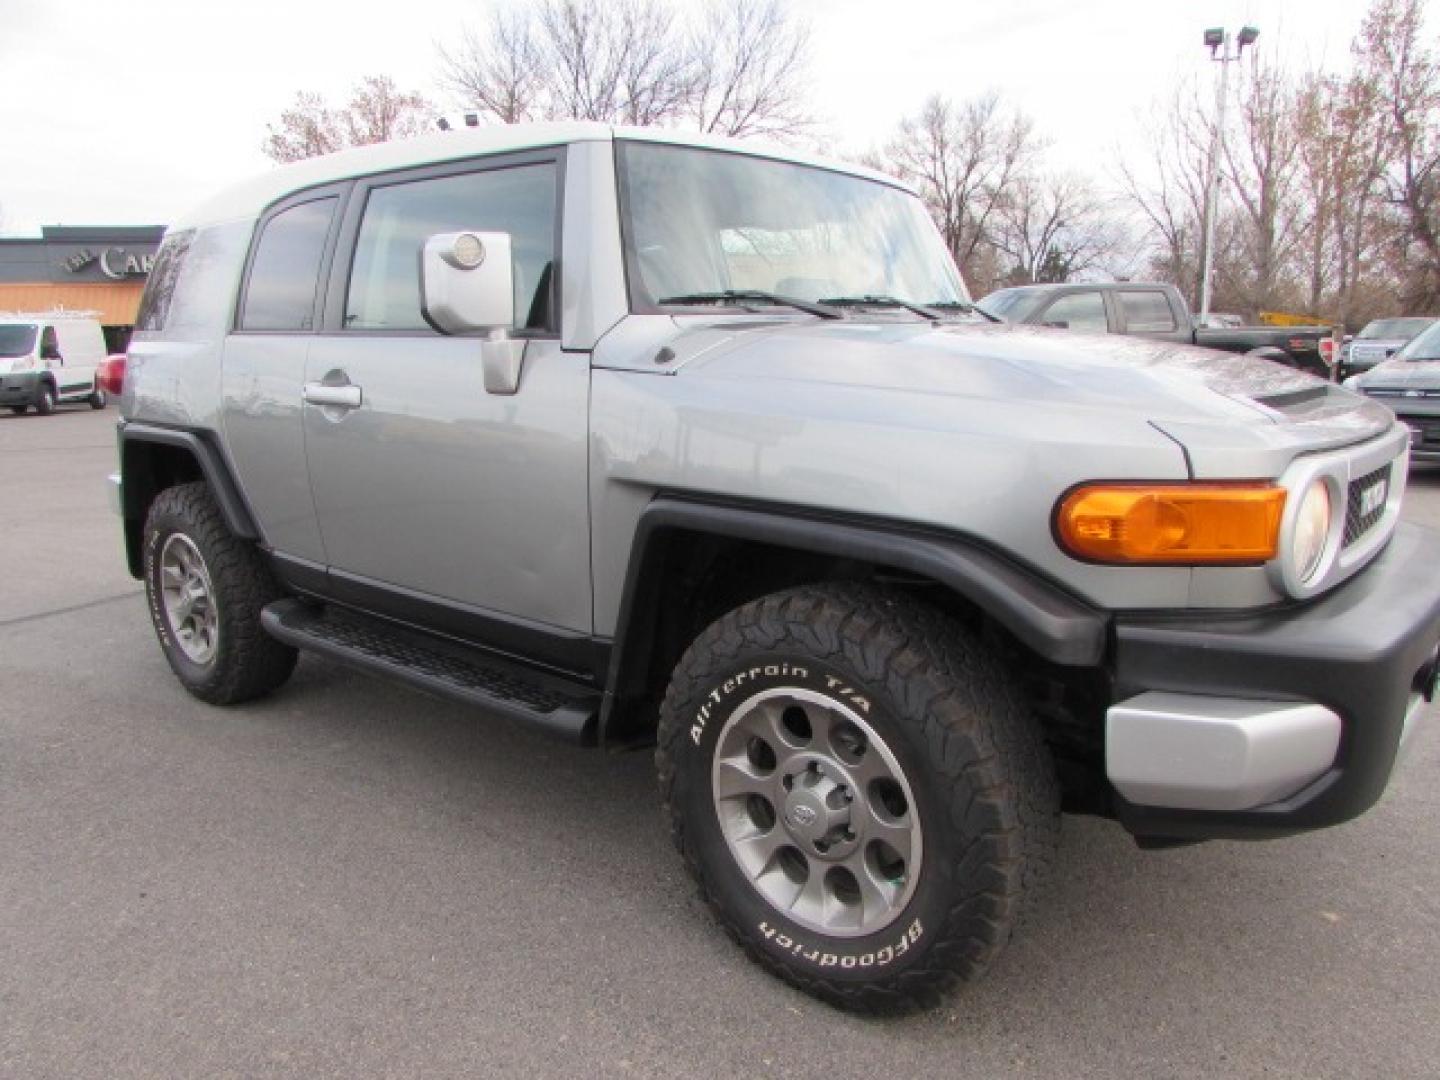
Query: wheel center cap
x=802, y=815
x=816, y=807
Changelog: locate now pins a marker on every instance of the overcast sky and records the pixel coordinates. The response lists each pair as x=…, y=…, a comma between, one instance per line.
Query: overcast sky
x=124, y=112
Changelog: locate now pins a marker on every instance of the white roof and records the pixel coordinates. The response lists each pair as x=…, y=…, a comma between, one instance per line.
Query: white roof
x=248, y=198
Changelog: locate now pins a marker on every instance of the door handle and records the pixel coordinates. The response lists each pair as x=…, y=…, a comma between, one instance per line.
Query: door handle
x=340, y=397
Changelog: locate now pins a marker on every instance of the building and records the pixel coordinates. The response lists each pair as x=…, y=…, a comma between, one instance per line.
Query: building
x=81, y=269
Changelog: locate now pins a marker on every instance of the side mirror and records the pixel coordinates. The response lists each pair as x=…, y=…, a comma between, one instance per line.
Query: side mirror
x=49, y=352
x=1347, y=339
x=467, y=282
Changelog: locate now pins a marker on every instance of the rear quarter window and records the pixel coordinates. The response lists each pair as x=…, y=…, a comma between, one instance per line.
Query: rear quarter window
x=164, y=277
x=1146, y=312
x=196, y=297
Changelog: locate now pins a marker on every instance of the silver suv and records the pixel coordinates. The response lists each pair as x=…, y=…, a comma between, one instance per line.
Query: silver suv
x=643, y=439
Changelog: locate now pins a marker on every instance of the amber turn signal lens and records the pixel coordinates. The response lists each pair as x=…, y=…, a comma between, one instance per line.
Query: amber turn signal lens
x=1172, y=523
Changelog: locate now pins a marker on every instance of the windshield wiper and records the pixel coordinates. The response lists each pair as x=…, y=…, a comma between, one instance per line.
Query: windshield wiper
x=741, y=295
x=969, y=309
x=870, y=300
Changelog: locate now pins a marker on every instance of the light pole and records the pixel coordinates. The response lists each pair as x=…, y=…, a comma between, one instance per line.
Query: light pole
x=1218, y=41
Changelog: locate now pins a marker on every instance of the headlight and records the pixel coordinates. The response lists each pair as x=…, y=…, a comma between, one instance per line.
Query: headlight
x=1188, y=524
x=1312, y=528
x=25, y=363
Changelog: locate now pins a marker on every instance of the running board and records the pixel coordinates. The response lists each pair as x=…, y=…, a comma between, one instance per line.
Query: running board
x=552, y=704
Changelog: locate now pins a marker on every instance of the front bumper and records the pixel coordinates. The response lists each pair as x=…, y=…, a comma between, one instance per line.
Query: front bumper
x=1363, y=654
x=22, y=389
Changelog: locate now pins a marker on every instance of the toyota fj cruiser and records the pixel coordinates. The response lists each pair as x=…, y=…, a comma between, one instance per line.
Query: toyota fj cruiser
x=642, y=438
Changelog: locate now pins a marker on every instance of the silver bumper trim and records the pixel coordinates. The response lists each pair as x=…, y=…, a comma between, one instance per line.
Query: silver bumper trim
x=1412, y=724
x=1192, y=751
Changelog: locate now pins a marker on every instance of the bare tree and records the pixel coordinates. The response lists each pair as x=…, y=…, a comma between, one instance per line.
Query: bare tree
x=1262, y=169
x=499, y=72
x=748, y=60
x=1168, y=189
x=379, y=112
x=376, y=112
x=961, y=158
x=736, y=71
x=1393, y=57
x=306, y=129
x=1054, y=227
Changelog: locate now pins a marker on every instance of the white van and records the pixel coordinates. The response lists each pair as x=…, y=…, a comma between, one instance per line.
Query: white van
x=49, y=358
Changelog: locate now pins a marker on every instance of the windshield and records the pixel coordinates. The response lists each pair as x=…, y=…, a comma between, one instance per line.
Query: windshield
x=1006, y=302
x=1424, y=347
x=1394, y=329
x=707, y=221
x=17, y=339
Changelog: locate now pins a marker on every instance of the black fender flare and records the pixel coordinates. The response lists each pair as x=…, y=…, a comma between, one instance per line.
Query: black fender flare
x=1041, y=614
x=135, y=496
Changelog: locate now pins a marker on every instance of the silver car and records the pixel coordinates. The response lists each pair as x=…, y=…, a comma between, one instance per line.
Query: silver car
x=1379, y=340
x=643, y=439
x=1409, y=384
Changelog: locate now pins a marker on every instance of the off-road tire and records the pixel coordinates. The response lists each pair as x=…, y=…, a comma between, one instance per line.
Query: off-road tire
x=983, y=782
x=97, y=399
x=45, y=400
x=247, y=662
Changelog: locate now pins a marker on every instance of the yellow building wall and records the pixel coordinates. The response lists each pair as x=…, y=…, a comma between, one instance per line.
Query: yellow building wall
x=114, y=305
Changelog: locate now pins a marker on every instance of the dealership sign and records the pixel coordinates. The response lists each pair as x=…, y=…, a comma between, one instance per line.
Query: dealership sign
x=114, y=262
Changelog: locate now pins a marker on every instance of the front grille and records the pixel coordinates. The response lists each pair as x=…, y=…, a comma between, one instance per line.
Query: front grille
x=1400, y=392
x=1360, y=518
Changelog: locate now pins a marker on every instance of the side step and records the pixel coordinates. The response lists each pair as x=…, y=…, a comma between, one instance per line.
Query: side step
x=553, y=704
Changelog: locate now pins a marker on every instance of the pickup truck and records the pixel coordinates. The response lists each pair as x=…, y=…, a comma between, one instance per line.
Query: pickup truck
x=654, y=440
x=1158, y=311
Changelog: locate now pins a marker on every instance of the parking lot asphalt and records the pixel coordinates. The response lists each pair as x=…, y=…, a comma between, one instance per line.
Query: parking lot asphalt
x=348, y=879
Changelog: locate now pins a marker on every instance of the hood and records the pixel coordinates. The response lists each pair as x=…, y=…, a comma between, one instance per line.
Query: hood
x=1402, y=375
x=1163, y=382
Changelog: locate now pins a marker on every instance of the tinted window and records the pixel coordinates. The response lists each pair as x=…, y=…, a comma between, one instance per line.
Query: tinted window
x=160, y=288
x=281, y=292
x=1078, y=311
x=1007, y=302
x=1403, y=329
x=1146, y=312
x=49, y=343
x=17, y=339
x=384, y=289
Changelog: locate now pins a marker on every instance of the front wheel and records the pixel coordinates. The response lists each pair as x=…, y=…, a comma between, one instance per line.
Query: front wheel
x=205, y=589
x=858, y=790
x=45, y=400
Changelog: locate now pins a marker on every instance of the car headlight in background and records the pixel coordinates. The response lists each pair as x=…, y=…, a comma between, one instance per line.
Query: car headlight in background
x=1312, y=529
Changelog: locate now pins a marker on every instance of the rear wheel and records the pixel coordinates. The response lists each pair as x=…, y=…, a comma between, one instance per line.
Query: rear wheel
x=206, y=589
x=98, y=398
x=858, y=791
x=45, y=400
x=19, y=410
